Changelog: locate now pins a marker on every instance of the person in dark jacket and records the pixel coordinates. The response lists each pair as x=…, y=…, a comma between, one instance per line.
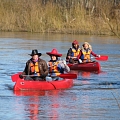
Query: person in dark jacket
x=36, y=69
x=73, y=52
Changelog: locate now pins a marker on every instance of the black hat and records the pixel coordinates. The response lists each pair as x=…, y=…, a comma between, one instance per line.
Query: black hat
x=35, y=52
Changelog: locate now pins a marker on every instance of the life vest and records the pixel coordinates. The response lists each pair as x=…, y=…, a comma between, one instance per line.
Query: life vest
x=75, y=52
x=34, y=69
x=86, y=55
x=54, y=68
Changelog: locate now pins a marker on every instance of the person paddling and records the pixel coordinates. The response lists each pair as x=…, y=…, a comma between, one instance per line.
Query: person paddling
x=36, y=69
x=56, y=65
x=73, y=52
x=86, y=52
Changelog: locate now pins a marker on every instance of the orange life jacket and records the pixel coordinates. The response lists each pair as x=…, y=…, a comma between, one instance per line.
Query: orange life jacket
x=75, y=53
x=53, y=68
x=34, y=68
x=86, y=55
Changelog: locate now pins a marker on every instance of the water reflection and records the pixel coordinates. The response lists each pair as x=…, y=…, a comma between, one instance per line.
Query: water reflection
x=34, y=107
x=55, y=105
x=32, y=104
x=29, y=93
x=85, y=74
x=85, y=106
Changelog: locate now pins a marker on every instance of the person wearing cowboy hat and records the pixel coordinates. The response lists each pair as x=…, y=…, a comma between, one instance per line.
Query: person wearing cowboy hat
x=86, y=52
x=36, y=69
x=73, y=52
x=55, y=65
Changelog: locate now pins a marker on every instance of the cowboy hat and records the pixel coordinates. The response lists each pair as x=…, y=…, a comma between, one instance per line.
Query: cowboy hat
x=35, y=52
x=54, y=52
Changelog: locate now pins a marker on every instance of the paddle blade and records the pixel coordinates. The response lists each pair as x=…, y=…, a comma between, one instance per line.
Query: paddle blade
x=102, y=58
x=68, y=76
x=15, y=77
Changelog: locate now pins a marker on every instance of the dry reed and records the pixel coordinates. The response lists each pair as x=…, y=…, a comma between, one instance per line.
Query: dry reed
x=57, y=17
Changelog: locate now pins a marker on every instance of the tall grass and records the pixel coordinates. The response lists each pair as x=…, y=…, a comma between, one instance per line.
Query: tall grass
x=59, y=16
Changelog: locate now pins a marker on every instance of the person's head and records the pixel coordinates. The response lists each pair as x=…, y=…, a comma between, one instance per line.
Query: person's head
x=35, y=55
x=86, y=46
x=54, y=54
x=75, y=44
x=53, y=57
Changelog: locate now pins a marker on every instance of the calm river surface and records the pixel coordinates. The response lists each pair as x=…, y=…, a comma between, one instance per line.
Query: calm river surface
x=93, y=97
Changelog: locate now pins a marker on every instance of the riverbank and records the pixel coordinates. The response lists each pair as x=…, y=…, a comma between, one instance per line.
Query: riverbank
x=58, y=17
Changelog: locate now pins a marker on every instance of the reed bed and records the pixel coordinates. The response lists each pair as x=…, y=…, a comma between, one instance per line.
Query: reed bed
x=59, y=16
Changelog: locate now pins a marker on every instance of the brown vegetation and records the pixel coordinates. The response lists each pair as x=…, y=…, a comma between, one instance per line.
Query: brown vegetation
x=61, y=16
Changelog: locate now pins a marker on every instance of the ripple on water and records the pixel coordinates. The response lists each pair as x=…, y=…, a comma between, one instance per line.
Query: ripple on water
x=94, y=96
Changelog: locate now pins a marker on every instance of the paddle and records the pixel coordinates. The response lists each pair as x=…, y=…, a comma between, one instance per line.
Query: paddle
x=15, y=77
x=68, y=76
x=101, y=58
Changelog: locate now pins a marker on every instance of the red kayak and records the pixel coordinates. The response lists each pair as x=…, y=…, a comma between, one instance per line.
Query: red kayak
x=22, y=84
x=89, y=66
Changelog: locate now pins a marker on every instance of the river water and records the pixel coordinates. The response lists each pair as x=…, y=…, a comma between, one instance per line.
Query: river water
x=94, y=96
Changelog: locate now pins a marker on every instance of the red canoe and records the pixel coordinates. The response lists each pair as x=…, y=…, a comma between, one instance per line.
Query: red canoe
x=89, y=66
x=21, y=84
